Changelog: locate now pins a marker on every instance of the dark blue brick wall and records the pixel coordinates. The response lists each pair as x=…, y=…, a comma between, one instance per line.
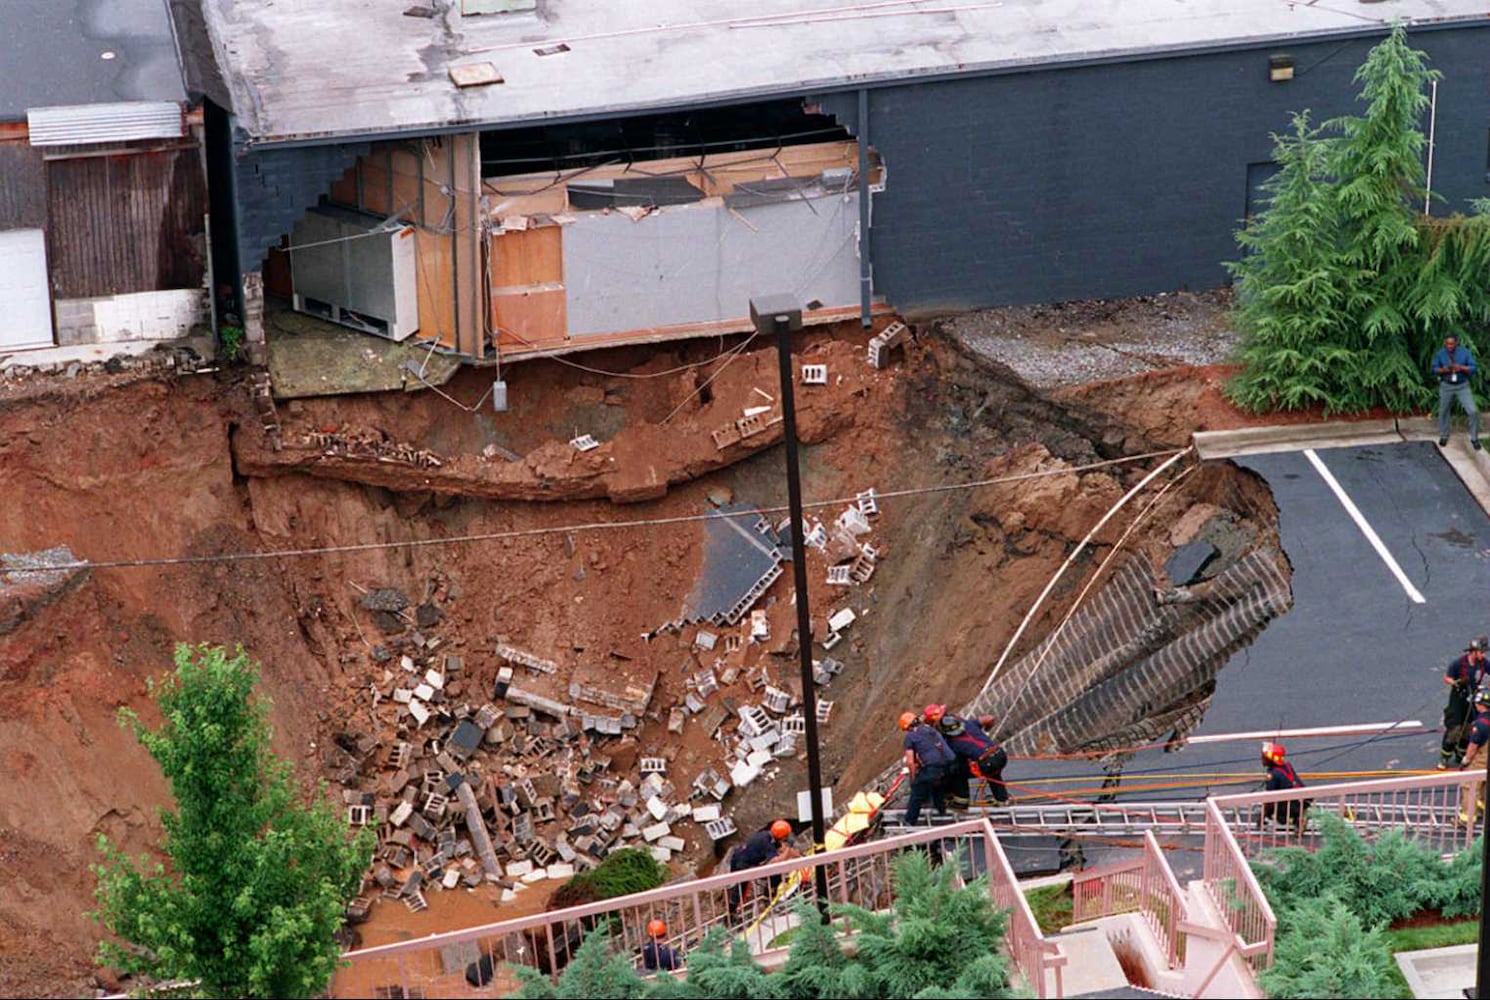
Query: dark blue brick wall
x=1118, y=179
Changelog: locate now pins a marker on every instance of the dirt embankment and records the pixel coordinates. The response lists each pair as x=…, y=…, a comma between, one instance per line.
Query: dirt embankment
x=161, y=468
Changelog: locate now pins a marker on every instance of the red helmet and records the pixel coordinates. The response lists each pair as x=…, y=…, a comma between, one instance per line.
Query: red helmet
x=1273, y=753
x=781, y=829
x=907, y=720
x=933, y=713
x=656, y=928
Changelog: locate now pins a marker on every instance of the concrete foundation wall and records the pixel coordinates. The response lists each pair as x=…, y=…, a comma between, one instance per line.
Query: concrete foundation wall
x=167, y=315
x=1119, y=179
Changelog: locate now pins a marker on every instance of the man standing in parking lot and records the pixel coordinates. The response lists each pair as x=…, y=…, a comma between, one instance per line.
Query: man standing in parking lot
x=1454, y=366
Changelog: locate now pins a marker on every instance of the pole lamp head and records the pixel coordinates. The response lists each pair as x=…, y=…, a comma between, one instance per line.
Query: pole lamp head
x=768, y=310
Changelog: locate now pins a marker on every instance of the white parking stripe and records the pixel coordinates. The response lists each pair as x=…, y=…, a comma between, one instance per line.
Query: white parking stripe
x=1360, y=522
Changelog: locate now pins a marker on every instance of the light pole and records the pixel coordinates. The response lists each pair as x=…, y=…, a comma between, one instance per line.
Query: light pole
x=780, y=314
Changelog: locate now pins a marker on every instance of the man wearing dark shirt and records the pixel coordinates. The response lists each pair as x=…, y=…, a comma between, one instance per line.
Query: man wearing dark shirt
x=1282, y=776
x=657, y=956
x=761, y=847
x=927, y=757
x=1455, y=366
x=1475, y=739
x=976, y=752
x=1463, y=677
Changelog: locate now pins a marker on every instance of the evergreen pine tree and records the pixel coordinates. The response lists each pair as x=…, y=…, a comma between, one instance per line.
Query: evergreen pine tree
x=815, y=966
x=595, y=973
x=722, y=969
x=936, y=933
x=1290, y=288
x=1377, y=159
x=1346, y=290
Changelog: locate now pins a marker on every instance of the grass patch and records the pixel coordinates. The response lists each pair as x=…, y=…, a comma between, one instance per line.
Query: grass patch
x=1052, y=906
x=1428, y=936
x=784, y=939
x=1434, y=936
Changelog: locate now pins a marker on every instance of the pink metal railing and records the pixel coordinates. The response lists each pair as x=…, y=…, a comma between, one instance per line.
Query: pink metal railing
x=739, y=902
x=1425, y=807
x=1229, y=880
x=1033, y=955
x=1145, y=886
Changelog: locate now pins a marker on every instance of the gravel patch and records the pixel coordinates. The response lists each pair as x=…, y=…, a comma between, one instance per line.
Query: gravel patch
x=1071, y=343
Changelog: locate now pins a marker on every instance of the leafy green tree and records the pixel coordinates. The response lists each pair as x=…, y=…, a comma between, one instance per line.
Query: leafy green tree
x=258, y=881
x=1323, y=950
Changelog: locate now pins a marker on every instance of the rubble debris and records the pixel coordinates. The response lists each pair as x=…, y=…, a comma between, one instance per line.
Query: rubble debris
x=384, y=599
x=720, y=828
x=633, y=698
x=814, y=374
x=370, y=445
x=519, y=789
x=584, y=442
x=878, y=351
x=476, y=826
x=536, y=664
x=826, y=669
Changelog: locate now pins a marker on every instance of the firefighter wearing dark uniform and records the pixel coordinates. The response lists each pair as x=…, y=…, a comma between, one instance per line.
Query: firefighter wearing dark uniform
x=1476, y=735
x=1281, y=775
x=1463, y=678
x=657, y=954
x=978, y=754
x=761, y=847
x=927, y=758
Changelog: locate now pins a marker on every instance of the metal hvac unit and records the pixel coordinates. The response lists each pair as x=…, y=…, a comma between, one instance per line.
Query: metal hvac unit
x=357, y=270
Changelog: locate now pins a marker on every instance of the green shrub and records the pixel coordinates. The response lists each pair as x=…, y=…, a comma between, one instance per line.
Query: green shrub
x=940, y=940
x=1323, y=950
x=622, y=873
x=1385, y=880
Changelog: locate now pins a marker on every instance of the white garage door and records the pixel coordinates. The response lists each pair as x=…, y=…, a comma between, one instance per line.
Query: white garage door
x=25, y=304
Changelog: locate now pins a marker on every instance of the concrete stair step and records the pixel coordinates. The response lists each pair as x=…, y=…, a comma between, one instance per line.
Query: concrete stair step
x=1091, y=964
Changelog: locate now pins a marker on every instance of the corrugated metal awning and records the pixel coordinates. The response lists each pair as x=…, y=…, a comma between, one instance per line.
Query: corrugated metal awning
x=76, y=125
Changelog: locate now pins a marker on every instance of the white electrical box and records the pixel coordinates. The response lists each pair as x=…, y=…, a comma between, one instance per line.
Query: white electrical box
x=357, y=270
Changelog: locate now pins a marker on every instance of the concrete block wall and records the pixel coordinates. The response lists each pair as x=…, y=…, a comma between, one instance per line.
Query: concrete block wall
x=277, y=186
x=1117, y=179
x=139, y=316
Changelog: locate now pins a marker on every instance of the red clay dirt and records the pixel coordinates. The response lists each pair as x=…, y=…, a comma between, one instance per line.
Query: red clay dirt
x=180, y=467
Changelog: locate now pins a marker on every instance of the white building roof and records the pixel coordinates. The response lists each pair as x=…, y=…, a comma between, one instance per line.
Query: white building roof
x=328, y=69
